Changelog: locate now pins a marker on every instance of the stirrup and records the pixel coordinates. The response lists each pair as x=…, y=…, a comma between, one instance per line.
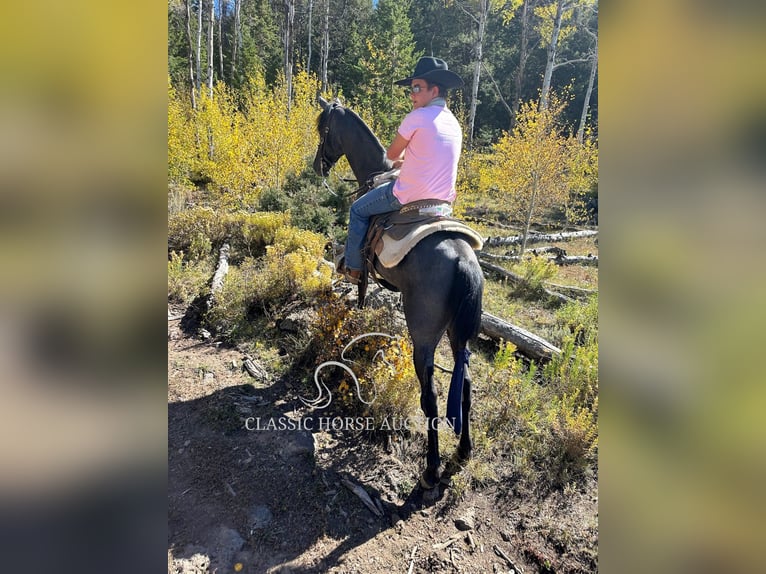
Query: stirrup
x=350, y=278
x=340, y=268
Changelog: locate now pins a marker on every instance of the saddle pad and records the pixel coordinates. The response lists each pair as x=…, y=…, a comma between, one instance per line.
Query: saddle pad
x=394, y=250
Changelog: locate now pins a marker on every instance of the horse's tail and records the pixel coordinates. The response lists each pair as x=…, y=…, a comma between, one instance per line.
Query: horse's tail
x=466, y=297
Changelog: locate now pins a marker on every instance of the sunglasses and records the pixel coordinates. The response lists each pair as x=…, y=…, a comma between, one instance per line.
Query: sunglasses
x=417, y=89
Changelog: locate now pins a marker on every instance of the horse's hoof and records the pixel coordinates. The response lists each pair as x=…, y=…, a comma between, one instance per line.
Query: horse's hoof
x=462, y=456
x=431, y=496
x=456, y=463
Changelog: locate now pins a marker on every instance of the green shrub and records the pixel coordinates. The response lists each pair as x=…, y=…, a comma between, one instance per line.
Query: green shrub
x=200, y=230
x=535, y=272
x=545, y=421
x=187, y=279
x=580, y=320
x=311, y=204
x=573, y=442
x=575, y=371
x=292, y=268
x=178, y=195
x=273, y=199
x=231, y=315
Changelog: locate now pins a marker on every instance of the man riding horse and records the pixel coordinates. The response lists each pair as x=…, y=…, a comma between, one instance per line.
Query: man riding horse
x=418, y=250
x=426, y=149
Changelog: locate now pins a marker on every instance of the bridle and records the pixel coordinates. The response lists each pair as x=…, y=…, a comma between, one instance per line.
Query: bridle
x=327, y=163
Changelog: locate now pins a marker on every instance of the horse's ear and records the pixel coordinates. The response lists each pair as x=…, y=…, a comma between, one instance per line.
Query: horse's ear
x=322, y=102
x=336, y=100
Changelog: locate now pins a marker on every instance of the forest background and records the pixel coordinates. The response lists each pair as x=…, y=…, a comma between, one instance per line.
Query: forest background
x=243, y=76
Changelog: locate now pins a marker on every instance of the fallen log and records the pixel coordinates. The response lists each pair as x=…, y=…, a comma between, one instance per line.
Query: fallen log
x=493, y=257
x=518, y=279
x=590, y=260
x=527, y=343
x=221, y=270
x=574, y=291
x=557, y=251
x=412, y=559
x=510, y=275
x=540, y=238
x=220, y=273
x=253, y=368
x=561, y=258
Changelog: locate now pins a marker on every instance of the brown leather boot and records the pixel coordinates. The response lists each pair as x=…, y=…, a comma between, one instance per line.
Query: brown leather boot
x=352, y=275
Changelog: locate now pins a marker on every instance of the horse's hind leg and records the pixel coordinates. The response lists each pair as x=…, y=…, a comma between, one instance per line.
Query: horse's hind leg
x=465, y=447
x=424, y=367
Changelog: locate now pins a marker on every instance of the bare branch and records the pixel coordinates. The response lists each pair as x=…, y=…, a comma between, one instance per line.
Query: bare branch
x=499, y=93
x=464, y=9
x=575, y=61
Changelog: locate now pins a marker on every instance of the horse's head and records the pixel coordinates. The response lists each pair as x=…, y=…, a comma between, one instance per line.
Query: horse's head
x=342, y=132
x=329, y=150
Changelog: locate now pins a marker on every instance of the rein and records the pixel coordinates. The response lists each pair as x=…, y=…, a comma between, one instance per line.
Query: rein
x=344, y=195
x=364, y=188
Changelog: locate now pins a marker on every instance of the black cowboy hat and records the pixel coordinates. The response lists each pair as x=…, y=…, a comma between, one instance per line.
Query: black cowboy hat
x=435, y=71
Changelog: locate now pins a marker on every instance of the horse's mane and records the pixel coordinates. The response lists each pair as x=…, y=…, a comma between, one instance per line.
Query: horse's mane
x=365, y=126
x=322, y=119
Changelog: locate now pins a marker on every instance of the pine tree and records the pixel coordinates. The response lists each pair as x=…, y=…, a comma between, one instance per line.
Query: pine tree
x=389, y=56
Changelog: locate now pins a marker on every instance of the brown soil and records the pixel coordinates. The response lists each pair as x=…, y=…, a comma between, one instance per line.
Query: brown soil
x=272, y=500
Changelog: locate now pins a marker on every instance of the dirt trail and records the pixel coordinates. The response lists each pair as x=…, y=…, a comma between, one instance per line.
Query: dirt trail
x=272, y=500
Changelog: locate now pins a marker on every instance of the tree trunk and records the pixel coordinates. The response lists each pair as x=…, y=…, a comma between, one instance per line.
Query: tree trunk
x=325, y=55
x=540, y=238
x=586, y=104
x=288, y=44
x=525, y=233
x=199, y=47
x=551, y=62
x=481, y=22
x=308, y=57
x=210, y=49
x=220, y=44
x=527, y=343
x=526, y=19
x=235, y=39
x=191, y=54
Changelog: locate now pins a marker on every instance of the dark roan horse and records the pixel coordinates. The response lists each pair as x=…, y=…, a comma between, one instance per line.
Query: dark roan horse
x=440, y=281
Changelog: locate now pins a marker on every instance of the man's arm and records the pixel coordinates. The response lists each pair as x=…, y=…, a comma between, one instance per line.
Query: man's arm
x=395, y=151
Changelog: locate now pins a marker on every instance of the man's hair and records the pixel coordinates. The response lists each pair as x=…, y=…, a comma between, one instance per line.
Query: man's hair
x=442, y=90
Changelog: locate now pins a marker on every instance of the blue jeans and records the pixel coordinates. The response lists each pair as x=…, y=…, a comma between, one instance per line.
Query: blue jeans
x=376, y=201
